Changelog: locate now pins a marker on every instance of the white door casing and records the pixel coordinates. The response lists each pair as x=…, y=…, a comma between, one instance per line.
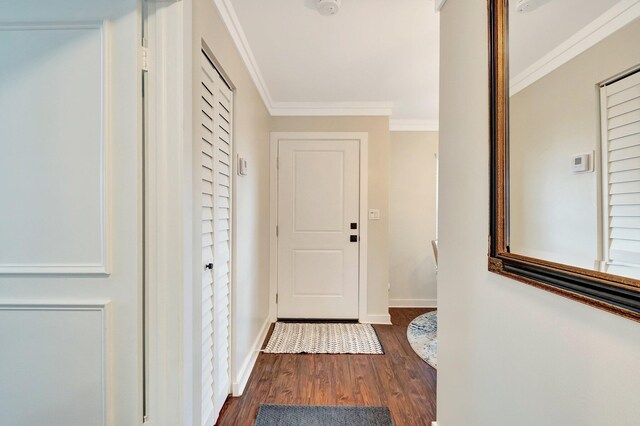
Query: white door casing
x=215, y=152
x=318, y=250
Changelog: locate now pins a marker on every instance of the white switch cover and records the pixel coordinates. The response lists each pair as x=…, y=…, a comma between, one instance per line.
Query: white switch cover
x=374, y=214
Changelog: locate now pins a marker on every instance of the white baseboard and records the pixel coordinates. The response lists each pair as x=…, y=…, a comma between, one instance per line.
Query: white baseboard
x=247, y=366
x=376, y=319
x=434, y=423
x=413, y=303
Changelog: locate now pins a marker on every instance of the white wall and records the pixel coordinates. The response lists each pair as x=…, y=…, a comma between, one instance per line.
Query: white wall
x=554, y=212
x=412, y=218
x=509, y=354
x=251, y=138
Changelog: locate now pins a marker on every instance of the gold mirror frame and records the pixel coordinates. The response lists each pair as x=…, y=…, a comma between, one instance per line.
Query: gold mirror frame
x=612, y=293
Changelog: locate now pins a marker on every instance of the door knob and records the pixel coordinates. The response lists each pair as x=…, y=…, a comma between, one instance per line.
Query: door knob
x=208, y=266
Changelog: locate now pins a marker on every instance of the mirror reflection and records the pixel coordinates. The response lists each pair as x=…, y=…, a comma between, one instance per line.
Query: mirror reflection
x=574, y=146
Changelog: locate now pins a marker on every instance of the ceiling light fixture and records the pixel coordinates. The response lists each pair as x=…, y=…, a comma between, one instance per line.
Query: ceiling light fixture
x=525, y=6
x=329, y=7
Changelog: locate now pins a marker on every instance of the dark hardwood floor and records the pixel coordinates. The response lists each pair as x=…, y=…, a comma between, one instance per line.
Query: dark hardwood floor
x=399, y=379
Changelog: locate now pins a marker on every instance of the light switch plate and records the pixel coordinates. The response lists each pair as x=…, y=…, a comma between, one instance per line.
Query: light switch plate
x=242, y=166
x=374, y=214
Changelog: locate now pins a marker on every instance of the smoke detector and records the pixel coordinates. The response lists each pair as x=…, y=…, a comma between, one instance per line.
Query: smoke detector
x=525, y=6
x=329, y=7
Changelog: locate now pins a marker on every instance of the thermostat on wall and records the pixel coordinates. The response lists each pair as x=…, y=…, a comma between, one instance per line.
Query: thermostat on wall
x=581, y=163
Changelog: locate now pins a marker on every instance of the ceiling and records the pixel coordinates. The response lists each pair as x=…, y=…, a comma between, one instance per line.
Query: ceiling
x=371, y=52
x=534, y=34
x=379, y=54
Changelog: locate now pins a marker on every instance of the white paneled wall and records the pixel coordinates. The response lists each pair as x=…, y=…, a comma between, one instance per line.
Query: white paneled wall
x=52, y=152
x=70, y=213
x=58, y=361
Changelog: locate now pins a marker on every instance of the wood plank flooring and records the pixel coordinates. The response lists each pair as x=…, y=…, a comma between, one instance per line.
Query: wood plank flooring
x=399, y=379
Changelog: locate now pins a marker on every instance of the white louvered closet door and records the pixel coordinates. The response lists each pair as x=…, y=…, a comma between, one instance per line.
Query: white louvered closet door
x=216, y=106
x=620, y=111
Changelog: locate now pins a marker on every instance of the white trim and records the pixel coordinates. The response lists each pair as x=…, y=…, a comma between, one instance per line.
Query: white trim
x=100, y=306
x=169, y=212
x=606, y=24
x=237, y=387
x=364, y=224
x=331, y=108
x=46, y=26
x=401, y=125
x=53, y=269
x=230, y=19
x=603, y=193
x=439, y=4
x=273, y=223
x=104, y=265
x=364, y=217
x=376, y=319
x=413, y=303
x=434, y=423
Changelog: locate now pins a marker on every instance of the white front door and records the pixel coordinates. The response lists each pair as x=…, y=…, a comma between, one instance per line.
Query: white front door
x=71, y=248
x=318, y=228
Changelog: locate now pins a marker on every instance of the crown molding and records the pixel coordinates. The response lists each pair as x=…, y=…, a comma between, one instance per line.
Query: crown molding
x=230, y=19
x=332, y=108
x=606, y=24
x=400, y=125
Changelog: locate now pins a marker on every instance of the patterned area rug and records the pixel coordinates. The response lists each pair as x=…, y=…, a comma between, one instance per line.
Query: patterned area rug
x=297, y=415
x=422, y=334
x=313, y=338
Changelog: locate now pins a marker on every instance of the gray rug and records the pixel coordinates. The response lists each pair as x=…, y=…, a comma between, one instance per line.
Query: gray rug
x=306, y=415
x=422, y=334
x=323, y=338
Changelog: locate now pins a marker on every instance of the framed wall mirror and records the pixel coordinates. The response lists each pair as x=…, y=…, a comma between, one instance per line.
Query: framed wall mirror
x=565, y=148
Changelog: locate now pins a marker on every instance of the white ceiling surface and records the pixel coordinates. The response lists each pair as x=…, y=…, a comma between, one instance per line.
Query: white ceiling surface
x=371, y=51
x=534, y=34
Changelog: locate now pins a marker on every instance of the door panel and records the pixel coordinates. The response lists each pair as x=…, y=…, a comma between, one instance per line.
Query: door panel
x=216, y=150
x=318, y=199
x=70, y=178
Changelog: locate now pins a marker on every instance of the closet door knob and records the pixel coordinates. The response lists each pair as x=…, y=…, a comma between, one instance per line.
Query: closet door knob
x=208, y=266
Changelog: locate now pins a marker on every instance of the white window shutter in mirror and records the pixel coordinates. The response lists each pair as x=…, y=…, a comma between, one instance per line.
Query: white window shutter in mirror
x=620, y=115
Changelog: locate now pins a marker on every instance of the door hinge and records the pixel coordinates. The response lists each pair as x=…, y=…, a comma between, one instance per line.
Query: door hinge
x=145, y=56
x=276, y=298
x=277, y=163
x=145, y=419
x=277, y=231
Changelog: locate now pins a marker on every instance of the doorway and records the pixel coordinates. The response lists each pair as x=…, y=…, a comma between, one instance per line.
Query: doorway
x=319, y=217
x=215, y=153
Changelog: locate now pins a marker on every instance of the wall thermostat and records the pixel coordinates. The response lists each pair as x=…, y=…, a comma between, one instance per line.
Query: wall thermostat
x=581, y=163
